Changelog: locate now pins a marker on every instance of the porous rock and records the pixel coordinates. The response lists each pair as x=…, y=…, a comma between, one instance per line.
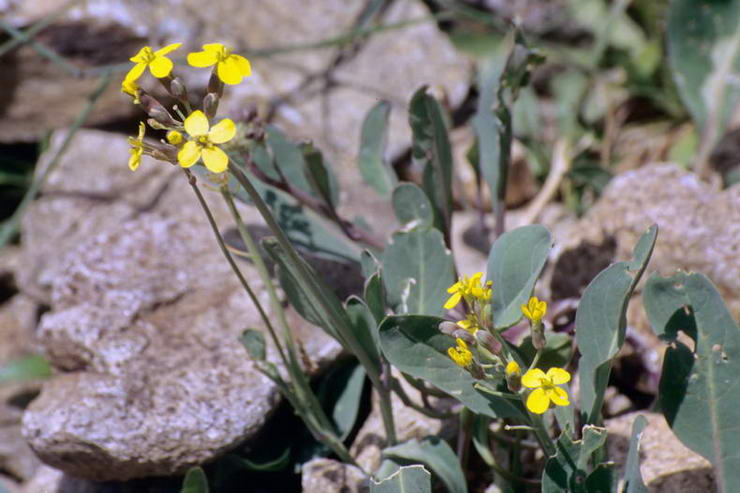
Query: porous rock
x=323, y=475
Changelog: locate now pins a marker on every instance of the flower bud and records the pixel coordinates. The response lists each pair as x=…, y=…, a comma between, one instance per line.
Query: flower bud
x=488, y=341
x=155, y=109
x=464, y=335
x=448, y=328
x=178, y=89
x=155, y=124
x=513, y=376
x=477, y=371
x=538, y=336
x=210, y=105
x=174, y=137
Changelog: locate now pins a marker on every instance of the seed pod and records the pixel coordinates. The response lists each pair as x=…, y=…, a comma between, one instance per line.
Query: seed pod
x=477, y=371
x=464, y=335
x=155, y=109
x=538, y=336
x=488, y=341
x=178, y=89
x=448, y=328
x=210, y=104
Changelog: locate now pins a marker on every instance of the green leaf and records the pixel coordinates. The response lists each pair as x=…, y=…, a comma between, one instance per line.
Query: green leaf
x=374, y=293
x=603, y=479
x=364, y=326
x=254, y=342
x=704, y=55
x=431, y=150
x=289, y=159
x=434, y=453
x=195, y=481
x=305, y=228
x=341, y=394
x=408, y=479
x=415, y=346
x=320, y=175
x=412, y=207
x=373, y=167
x=698, y=391
x=600, y=323
x=417, y=270
x=566, y=471
x=633, y=482
x=514, y=264
x=26, y=368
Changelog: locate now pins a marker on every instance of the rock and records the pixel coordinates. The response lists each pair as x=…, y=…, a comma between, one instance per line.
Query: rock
x=370, y=441
x=699, y=227
x=325, y=475
x=144, y=319
x=667, y=466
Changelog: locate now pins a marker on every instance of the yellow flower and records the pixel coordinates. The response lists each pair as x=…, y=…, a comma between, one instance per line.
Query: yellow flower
x=159, y=65
x=174, y=137
x=130, y=87
x=137, y=148
x=203, y=142
x=461, y=354
x=231, y=68
x=470, y=324
x=512, y=368
x=534, y=310
x=545, y=388
x=468, y=288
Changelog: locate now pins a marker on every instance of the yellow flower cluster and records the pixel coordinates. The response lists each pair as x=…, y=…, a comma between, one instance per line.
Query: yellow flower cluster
x=534, y=310
x=469, y=289
x=202, y=139
x=461, y=354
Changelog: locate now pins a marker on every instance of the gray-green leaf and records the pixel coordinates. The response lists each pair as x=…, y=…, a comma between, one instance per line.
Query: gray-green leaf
x=633, y=482
x=698, y=391
x=408, y=479
x=373, y=167
x=195, y=481
x=434, y=453
x=412, y=207
x=514, y=264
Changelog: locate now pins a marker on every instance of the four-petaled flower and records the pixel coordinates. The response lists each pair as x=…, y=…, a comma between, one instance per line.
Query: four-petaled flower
x=130, y=87
x=468, y=288
x=159, y=65
x=546, y=388
x=534, y=310
x=203, y=142
x=470, y=324
x=230, y=68
x=461, y=354
x=137, y=148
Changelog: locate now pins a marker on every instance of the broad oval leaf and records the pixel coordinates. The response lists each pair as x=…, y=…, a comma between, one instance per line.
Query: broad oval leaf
x=407, y=479
x=373, y=168
x=195, y=481
x=414, y=345
x=417, y=270
x=698, y=391
x=434, y=453
x=412, y=207
x=600, y=323
x=514, y=264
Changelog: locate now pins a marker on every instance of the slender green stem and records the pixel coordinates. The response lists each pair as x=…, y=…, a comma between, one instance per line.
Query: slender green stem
x=518, y=427
x=10, y=227
x=347, y=337
x=488, y=390
x=538, y=426
x=536, y=359
x=406, y=399
x=294, y=368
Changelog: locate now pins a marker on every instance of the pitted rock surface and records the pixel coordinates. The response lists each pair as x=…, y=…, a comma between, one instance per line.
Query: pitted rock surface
x=144, y=321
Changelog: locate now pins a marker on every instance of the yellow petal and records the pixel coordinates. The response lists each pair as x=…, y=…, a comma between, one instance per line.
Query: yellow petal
x=558, y=396
x=243, y=64
x=189, y=154
x=222, y=132
x=538, y=401
x=196, y=124
x=214, y=47
x=141, y=56
x=453, y=301
x=142, y=130
x=135, y=159
x=160, y=67
x=167, y=49
x=512, y=367
x=454, y=287
x=558, y=376
x=228, y=71
x=533, y=378
x=202, y=59
x=526, y=312
x=134, y=73
x=215, y=159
